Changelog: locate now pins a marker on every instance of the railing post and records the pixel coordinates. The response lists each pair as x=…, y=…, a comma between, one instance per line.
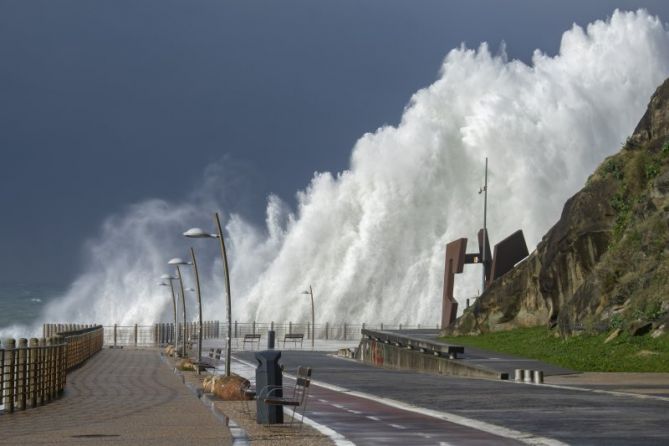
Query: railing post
x=59, y=363
x=41, y=365
x=114, y=335
x=22, y=369
x=344, y=331
x=290, y=327
x=327, y=329
x=50, y=369
x=135, y=335
x=10, y=349
x=34, y=352
x=62, y=350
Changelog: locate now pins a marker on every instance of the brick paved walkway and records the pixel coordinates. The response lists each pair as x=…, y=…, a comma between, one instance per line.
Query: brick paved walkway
x=120, y=397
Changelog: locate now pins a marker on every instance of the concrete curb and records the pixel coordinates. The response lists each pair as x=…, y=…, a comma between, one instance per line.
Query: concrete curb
x=239, y=435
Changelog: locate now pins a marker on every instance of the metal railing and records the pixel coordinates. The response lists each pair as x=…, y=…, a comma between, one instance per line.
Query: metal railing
x=157, y=334
x=160, y=334
x=339, y=331
x=34, y=372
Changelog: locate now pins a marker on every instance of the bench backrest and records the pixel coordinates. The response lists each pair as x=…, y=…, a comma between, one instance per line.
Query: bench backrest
x=294, y=335
x=303, y=376
x=252, y=336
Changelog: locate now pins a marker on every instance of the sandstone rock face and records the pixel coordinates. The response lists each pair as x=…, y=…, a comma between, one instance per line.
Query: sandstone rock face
x=640, y=328
x=607, y=259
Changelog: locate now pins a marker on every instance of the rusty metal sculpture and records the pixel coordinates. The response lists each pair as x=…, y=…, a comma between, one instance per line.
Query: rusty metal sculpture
x=507, y=253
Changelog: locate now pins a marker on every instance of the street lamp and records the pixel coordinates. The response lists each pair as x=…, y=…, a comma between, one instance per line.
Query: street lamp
x=177, y=261
x=174, y=305
x=311, y=293
x=199, y=233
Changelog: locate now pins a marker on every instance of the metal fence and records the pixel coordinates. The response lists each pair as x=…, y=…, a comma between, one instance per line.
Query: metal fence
x=157, y=334
x=339, y=331
x=163, y=333
x=34, y=372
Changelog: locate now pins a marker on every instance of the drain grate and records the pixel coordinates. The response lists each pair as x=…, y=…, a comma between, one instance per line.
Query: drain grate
x=95, y=435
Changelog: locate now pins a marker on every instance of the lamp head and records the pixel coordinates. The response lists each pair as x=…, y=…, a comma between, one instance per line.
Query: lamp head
x=167, y=277
x=162, y=284
x=199, y=233
x=178, y=261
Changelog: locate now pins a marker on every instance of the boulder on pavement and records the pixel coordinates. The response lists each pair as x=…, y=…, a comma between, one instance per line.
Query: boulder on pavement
x=228, y=388
x=186, y=365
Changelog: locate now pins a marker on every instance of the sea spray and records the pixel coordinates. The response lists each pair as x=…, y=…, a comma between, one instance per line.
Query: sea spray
x=370, y=240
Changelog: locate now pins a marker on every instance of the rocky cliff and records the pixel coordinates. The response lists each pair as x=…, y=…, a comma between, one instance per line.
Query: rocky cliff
x=605, y=264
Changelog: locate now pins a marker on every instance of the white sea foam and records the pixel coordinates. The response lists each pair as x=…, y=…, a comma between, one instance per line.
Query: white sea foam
x=371, y=239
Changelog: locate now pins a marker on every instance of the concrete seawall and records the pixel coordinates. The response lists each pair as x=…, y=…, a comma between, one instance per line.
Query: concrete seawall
x=381, y=354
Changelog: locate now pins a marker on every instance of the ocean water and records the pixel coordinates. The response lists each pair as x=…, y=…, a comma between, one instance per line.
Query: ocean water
x=21, y=304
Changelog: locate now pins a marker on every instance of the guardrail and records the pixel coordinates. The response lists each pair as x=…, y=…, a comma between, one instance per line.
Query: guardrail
x=419, y=344
x=339, y=331
x=34, y=372
x=163, y=333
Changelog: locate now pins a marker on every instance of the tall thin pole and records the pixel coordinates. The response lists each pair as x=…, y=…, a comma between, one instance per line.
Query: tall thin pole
x=485, y=230
x=227, y=294
x=183, y=304
x=199, y=309
x=313, y=319
x=176, y=322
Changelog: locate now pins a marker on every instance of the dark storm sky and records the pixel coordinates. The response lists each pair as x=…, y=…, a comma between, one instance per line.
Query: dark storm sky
x=107, y=103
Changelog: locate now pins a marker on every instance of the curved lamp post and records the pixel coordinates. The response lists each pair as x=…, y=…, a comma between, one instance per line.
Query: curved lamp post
x=174, y=304
x=177, y=262
x=199, y=233
x=311, y=293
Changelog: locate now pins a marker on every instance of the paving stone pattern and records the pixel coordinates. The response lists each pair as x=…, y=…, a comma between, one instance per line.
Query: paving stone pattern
x=119, y=397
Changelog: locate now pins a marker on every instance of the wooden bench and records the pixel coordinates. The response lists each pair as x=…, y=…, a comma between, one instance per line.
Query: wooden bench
x=251, y=339
x=294, y=397
x=294, y=338
x=210, y=362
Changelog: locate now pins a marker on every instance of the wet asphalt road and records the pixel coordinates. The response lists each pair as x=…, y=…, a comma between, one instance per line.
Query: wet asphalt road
x=570, y=416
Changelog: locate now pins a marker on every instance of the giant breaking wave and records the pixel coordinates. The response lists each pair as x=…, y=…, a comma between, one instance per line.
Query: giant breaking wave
x=371, y=239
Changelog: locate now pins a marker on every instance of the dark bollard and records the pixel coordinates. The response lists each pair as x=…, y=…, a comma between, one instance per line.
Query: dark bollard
x=268, y=379
x=270, y=339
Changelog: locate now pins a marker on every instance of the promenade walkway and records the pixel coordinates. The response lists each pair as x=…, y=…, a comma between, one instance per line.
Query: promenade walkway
x=119, y=397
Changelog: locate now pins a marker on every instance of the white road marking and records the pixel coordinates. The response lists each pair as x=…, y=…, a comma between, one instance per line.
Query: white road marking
x=373, y=418
x=336, y=437
x=356, y=412
x=397, y=426
x=340, y=440
x=524, y=437
x=338, y=406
